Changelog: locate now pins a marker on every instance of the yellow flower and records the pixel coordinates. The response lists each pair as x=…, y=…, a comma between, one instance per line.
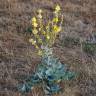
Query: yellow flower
x=33, y=19
x=48, y=37
x=57, y=8
x=55, y=20
x=40, y=52
x=56, y=28
x=34, y=24
x=35, y=31
x=32, y=41
x=40, y=11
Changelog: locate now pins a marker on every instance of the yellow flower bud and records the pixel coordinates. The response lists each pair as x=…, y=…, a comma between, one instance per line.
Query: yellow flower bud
x=33, y=19
x=35, y=31
x=55, y=20
x=39, y=29
x=39, y=11
x=48, y=37
x=57, y=8
x=34, y=24
x=32, y=41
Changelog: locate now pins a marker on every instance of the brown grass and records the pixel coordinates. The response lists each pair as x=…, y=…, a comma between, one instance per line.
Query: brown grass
x=17, y=56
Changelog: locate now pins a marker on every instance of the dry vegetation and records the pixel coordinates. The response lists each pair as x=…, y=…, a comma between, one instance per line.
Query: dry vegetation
x=17, y=57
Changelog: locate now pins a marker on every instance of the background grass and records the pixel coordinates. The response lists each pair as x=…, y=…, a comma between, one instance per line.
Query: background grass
x=18, y=59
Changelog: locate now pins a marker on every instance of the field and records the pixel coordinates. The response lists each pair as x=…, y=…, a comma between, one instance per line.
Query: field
x=18, y=58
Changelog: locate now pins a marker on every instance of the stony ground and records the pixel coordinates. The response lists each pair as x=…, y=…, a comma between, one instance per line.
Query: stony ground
x=17, y=56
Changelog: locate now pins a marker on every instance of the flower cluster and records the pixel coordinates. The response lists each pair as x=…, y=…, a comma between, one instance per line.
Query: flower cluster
x=45, y=34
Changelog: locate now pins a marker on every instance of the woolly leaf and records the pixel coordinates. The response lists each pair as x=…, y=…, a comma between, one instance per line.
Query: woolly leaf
x=49, y=72
x=52, y=88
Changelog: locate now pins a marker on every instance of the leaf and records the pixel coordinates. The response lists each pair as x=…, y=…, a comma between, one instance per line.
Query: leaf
x=69, y=75
x=24, y=88
x=53, y=88
x=29, y=30
x=48, y=73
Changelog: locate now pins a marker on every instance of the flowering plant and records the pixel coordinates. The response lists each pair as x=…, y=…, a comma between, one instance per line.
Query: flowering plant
x=51, y=71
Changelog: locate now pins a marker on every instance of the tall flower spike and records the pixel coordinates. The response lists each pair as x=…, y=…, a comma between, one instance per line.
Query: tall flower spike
x=50, y=72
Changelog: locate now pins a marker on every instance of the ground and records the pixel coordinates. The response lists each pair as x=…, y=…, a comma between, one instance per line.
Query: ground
x=17, y=56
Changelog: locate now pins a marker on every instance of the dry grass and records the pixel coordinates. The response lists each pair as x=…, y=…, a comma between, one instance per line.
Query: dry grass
x=17, y=57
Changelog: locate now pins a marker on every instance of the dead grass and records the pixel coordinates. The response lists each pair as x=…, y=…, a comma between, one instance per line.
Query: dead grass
x=17, y=57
